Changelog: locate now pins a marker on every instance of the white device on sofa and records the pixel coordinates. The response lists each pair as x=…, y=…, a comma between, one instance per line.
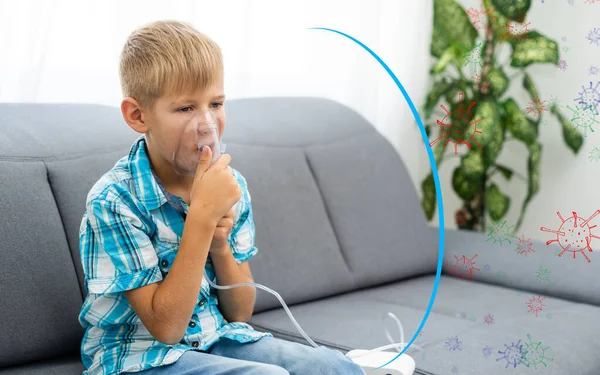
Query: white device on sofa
x=369, y=360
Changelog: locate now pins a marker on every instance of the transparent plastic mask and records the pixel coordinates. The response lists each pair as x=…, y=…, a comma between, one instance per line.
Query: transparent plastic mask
x=202, y=129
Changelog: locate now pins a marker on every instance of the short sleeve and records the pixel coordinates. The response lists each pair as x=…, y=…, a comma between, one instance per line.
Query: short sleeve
x=241, y=239
x=116, y=252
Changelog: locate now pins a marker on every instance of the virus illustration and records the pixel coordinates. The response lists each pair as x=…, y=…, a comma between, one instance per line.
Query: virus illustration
x=543, y=274
x=595, y=154
x=500, y=274
x=513, y=354
x=487, y=267
x=536, y=106
x=472, y=318
x=535, y=304
x=454, y=370
x=488, y=319
x=487, y=351
x=553, y=101
x=589, y=97
x=517, y=28
x=499, y=232
x=482, y=85
x=534, y=353
x=562, y=64
x=473, y=56
x=524, y=246
x=594, y=70
x=478, y=18
x=453, y=344
x=549, y=316
x=574, y=234
x=594, y=36
x=458, y=127
x=583, y=117
x=463, y=267
x=463, y=315
x=564, y=38
x=571, y=2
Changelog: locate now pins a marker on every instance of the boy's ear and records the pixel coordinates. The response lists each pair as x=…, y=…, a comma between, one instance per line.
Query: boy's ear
x=132, y=114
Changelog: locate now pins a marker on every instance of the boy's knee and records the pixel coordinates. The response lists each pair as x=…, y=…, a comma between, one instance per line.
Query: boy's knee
x=332, y=361
x=267, y=369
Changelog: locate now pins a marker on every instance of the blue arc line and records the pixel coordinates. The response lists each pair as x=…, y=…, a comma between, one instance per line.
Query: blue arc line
x=436, y=179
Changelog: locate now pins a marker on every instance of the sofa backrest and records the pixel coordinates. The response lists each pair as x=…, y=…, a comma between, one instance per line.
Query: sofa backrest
x=334, y=207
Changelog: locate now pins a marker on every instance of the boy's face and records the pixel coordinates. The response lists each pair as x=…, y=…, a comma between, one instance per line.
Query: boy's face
x=170, y=118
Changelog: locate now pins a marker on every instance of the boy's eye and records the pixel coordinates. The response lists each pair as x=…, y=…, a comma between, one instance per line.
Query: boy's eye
x=216, y=105
x=185, y=109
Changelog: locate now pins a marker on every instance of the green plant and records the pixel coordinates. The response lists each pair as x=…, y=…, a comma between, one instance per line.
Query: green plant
x=478, y=110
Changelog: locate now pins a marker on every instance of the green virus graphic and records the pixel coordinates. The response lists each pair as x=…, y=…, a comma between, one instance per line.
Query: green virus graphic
x=595, y=154
x=500, y=232
x=500, y=274
x=584, y=117
x=473, y=56
x=543, y=274
x=534, y=354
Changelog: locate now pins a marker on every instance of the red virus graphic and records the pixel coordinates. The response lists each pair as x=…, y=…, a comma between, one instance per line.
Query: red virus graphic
x=536, y=107
x=535, y=304
x=463, y=267
x=482, y=85
x=574, y=234
x=517, y=28
x=459, y=126
x=488, y=319
x=524, y=246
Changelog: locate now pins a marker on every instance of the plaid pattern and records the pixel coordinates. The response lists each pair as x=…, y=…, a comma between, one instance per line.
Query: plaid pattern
x=129, y=238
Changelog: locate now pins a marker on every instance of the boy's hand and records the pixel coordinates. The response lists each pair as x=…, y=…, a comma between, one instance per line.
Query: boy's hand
x=215, y=190
x=221, y=235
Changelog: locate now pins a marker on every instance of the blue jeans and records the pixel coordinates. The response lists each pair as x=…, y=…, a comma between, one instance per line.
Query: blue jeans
x=267, y=356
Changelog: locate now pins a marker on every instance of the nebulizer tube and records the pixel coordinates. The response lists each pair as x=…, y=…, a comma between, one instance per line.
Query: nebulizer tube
x=201, y=130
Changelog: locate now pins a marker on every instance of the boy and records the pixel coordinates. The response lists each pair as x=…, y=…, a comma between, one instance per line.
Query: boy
x=149, y=233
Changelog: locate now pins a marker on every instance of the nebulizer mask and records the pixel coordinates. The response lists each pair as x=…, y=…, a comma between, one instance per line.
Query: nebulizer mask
x=200, y=130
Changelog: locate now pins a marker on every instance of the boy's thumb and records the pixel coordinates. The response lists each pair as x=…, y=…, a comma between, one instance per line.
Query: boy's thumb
x=205, y=157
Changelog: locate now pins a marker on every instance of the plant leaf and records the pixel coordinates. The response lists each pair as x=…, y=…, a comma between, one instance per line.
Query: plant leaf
x=486, y=116
x=453, y=22
x=463, y=187
x=570, y=134
x=438, y=153
x=512, y=8
x=533, y=168
x=496, y=202
x=451, y=54
x=429, y=197
x=472, y=165
x=505, y=171
x=498, y=82
x=534, y=48
x=530, y=86
x=492, y=150
x=439, y=40
x=497, y=21
x=518, y=124
x=434, y=95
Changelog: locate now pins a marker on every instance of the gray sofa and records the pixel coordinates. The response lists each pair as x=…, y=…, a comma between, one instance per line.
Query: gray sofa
x=341, y=233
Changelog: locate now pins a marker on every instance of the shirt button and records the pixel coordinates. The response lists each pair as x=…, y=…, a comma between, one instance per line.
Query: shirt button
x=192, y=324
x=164, y=263
x=195, y=344
x=201, y=303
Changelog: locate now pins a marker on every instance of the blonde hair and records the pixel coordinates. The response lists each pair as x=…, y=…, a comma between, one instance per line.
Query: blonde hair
x=167, y=57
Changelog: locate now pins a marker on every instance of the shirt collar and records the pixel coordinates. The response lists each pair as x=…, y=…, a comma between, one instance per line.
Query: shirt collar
x=146, y=186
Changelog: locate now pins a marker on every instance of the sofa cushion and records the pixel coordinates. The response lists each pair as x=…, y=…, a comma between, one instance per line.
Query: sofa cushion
x=450, y=338
x=40, y=294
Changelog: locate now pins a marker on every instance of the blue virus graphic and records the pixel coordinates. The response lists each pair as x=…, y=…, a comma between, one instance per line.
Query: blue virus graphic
x=487, y=267
x=487, y=351
x=594, y=36
x=454, y=370
x=589, y=97
x=513, y=354
x=562, y=64
x=500, y=232
x=453, y=344
x=594, y=70
x=534, y=354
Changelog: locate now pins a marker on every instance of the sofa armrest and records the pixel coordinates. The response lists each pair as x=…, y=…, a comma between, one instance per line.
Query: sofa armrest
x=501, y=264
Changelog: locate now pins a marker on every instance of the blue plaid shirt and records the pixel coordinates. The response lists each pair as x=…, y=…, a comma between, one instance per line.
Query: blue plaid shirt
x=129, y=237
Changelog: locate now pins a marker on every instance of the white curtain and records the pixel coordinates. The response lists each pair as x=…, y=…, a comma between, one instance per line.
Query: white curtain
x=68, y=51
